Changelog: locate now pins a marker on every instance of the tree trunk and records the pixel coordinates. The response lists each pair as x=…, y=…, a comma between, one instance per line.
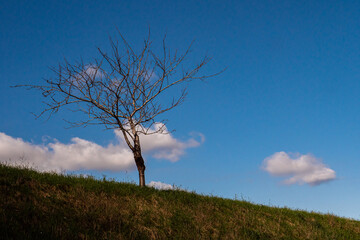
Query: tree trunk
x=141, y=167
x=142, y=177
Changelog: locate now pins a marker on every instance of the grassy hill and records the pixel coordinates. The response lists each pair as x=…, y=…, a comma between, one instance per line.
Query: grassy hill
x=49, y=206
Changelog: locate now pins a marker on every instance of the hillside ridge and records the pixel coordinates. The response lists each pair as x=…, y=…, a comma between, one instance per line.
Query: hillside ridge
x=49, y=206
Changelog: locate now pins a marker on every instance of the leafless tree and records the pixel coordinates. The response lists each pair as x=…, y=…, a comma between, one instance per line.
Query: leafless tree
x=122, y=90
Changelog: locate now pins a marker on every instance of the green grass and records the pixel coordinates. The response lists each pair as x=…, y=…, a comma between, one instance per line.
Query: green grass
x=49, y=206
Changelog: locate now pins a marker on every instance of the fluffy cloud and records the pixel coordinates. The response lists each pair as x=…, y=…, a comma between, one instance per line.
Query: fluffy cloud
x=92, y=70
x=81, y=154
x=298, y=168
x=160, y=185
x=165, y=146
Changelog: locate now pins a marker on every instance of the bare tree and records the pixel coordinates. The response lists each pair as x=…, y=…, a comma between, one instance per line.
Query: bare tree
x=122, y=90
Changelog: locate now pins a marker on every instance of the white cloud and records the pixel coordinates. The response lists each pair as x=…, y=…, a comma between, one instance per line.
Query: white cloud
x=93, y=70
x=298, y=168
x=81, y=154
x=160, y=185
x=165, y=146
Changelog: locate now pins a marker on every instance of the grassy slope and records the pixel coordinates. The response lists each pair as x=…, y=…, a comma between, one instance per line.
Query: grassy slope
x=49, y=206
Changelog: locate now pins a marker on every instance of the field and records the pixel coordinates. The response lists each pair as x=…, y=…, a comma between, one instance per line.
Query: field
x=50, y=206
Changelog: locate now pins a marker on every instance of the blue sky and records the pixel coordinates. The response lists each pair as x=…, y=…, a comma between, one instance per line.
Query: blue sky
x=290, y=93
